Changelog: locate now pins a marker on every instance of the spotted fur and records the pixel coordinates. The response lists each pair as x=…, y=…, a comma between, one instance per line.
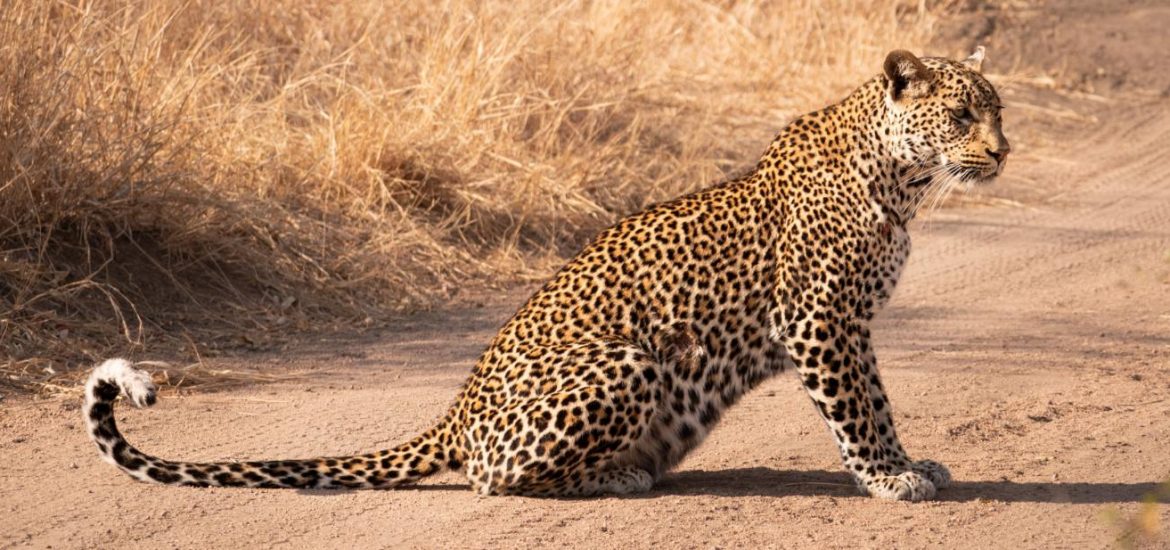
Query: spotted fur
x=622, y=363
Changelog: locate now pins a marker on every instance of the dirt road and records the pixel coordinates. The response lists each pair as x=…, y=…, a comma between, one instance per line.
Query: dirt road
x=1028, y=348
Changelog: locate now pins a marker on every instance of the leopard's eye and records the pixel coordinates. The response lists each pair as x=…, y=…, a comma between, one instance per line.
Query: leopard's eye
x=962, y=114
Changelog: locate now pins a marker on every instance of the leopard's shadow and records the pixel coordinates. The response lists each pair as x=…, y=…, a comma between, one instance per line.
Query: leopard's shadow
x=768, y=482
x=780, y=483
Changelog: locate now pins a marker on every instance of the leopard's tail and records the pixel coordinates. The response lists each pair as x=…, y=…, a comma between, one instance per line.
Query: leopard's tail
x=427, y=454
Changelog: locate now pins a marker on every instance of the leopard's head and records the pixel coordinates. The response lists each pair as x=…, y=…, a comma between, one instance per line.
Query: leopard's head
x=944, y=118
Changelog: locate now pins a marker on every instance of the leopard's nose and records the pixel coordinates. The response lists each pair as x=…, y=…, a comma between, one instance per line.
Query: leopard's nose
x=1001, y=151
x=998, y=154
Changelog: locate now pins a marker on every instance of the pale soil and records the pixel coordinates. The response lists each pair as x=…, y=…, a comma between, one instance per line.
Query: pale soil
x=1028, y=348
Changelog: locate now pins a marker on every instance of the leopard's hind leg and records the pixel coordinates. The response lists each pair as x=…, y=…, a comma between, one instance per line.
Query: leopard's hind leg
x=576, y=436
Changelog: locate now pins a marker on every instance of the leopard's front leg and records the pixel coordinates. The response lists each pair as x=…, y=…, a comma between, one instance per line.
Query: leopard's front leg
x=938, y=474
x=829, y=351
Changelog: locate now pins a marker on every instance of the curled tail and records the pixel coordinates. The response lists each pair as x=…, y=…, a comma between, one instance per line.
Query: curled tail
x=427, y=454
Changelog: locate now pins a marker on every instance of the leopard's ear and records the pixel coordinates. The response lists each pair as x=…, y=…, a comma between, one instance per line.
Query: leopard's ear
x=907, y=75
x=975, y=60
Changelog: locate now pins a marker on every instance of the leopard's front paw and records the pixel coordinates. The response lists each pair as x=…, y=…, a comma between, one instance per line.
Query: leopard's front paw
x=904, y=486
x=938, y=474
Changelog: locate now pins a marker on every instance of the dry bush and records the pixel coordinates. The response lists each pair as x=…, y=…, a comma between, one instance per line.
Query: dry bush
x=252, y=165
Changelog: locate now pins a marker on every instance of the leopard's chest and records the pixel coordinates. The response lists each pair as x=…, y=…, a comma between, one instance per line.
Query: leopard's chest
x=889, y=251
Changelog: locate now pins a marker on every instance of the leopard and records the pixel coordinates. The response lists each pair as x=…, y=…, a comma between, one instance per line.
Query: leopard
x=625, y=360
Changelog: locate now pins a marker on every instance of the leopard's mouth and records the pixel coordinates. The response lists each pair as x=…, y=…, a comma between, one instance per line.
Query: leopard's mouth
x=969, y=173
x=977, y=173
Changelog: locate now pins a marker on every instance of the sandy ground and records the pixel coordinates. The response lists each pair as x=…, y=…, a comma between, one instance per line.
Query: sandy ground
x=1028, y=348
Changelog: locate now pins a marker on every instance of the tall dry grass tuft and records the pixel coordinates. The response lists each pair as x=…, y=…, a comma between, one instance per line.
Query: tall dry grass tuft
x=258, y=162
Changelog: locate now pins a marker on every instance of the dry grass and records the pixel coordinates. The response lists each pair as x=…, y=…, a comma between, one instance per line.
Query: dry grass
x=258, y=166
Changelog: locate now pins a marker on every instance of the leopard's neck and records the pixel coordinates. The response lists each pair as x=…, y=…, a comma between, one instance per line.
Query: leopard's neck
x=843, y=150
